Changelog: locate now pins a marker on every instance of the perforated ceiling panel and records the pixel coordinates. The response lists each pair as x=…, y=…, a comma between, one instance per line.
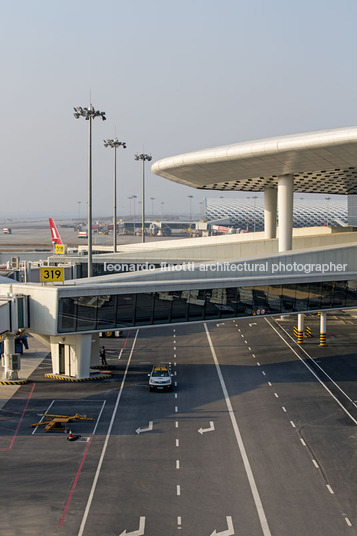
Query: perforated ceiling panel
x=333, y=181
x=321, y=162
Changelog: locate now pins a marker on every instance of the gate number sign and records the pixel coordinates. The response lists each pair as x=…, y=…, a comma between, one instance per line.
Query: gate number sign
x=50, y=274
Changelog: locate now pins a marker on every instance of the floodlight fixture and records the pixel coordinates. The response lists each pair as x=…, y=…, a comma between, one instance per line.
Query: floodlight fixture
x=89, y=114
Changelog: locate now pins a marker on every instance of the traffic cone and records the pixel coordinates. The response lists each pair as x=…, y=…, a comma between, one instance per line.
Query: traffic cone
x=71, y=437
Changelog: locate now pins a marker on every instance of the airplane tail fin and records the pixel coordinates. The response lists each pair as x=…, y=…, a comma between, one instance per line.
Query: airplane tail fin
x=56, y=238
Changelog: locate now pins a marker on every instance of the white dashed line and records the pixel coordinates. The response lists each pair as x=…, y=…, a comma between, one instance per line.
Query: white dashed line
x=177, y=464
x=177, y=442
x=315, y=464
x=270, y=385
x=263, y=373
x=303, y=442
x=175, y=395
x=276, y=395
x=258, y=504
x=292, y=424
x=176, y=424
x=283, y=408
x=249, y=348
x=330, y=489
x=253, y=355
x=176, y=409
x=178, y=489
x=348, y=522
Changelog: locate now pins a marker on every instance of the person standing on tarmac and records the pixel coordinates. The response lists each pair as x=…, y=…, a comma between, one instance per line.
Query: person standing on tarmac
x=102, y=356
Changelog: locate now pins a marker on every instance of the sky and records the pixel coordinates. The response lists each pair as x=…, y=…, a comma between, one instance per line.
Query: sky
x=173, y=76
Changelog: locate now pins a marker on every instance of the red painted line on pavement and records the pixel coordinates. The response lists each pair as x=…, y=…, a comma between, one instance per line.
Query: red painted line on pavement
x=8, y=429
x=126, y=340
x=20, y=421
x=74, y=484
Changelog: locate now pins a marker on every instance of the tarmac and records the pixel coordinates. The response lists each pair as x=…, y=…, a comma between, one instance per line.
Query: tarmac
x=30, y=360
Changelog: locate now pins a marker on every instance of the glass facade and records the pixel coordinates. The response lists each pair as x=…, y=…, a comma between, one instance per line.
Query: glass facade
x=110, y=312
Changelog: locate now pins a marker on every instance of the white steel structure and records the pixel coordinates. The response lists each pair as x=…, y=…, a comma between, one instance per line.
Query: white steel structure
x=308, y=212
x=317, y=162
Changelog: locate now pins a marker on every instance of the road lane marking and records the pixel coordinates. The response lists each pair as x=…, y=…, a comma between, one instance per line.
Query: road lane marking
x=315, y=464
x=177, y=464
x=303, y=442
x=178, y=489
x=148, y=429
x=258, y=503
x=74, y=484
x=43, y=416
x=177, y=442
x=176, y=424
x=101, y=459
x=98, y=419
x=314, y=374
x=292, y=424
x=228, y=532
x=210, y=429
x=330, y=489
x=284, y=408
x=276, y=395
x=176, y=409
x=348, y=522
x=139, y=532
x=175, y=395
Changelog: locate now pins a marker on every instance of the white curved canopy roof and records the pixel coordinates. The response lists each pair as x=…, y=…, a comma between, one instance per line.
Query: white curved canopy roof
x=321, y=162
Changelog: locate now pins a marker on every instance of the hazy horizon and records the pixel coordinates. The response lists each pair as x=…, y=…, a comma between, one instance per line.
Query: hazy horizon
x=172, y=77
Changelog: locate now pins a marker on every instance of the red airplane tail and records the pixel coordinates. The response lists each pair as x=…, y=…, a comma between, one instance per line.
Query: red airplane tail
x=56, y=238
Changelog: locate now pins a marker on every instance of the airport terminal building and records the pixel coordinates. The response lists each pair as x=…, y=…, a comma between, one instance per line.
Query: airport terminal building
x=279, y=270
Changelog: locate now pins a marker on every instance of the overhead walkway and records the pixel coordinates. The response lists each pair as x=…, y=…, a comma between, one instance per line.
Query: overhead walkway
x=68, y=317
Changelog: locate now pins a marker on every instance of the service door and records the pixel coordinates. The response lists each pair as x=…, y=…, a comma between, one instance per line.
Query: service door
x=61, y=359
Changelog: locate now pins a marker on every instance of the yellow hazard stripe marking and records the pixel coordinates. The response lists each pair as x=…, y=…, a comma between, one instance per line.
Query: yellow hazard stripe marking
x=64, y=378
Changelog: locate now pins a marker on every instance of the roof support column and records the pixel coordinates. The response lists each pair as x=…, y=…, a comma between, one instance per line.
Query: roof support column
x=270, y=212
x=285, y=208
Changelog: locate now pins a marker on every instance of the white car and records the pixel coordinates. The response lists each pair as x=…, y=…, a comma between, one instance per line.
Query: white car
x=160, y=378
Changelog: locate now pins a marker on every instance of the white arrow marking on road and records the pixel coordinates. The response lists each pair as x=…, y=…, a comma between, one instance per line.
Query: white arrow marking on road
x=252, y=324
x=228, y=532
x=210, y=429
x=139, y=532
x=148, y=429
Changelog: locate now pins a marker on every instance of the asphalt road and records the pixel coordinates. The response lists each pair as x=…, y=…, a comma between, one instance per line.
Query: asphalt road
x=254, y=439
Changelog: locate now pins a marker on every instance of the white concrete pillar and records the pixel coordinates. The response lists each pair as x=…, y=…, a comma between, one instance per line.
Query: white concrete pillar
x=270, y=212
x=285, y=209
x=9, y=350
